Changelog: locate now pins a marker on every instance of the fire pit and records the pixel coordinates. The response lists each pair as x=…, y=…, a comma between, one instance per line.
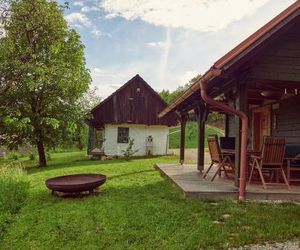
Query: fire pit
x=76, y=183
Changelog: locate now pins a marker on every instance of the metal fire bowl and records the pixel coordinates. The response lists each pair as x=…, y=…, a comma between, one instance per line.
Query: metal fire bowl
x=75, y=183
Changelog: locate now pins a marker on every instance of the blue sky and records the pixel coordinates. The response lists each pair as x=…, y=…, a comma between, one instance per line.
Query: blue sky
x=167, y=42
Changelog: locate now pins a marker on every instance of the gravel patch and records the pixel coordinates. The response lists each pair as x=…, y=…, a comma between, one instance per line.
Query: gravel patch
x=288, y=245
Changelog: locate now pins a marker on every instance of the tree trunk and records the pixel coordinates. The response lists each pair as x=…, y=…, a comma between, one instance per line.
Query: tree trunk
x=41, y=151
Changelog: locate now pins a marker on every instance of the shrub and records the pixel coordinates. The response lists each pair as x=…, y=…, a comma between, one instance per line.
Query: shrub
x=14, y=188
x=13, y=156
x=128, y=152
x=32, y=156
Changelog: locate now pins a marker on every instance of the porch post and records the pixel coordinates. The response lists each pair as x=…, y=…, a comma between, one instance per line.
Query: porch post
x=241, y=105
x=201, y=113
x=182, y=137
x=226, y=125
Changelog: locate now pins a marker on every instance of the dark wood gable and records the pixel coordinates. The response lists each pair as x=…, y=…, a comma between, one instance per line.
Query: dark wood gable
x=135, y=102
x=280, y=60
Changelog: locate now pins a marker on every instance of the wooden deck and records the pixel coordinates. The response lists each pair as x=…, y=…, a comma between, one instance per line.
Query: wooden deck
x=191, y=183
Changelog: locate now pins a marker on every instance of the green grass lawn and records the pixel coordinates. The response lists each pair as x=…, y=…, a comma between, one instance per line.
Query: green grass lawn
x=138, y=209
x=191, y=132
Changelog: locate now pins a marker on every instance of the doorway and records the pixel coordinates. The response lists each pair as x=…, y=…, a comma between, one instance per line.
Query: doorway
x=261, y=125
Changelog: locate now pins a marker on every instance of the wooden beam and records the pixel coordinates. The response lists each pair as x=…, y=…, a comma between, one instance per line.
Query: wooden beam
x=264, y=98
x=241, y=105
x=272, y=84
x=195, y=100
x=226, y=125
x=201, y=113
x=183, y=117
x=273, y=75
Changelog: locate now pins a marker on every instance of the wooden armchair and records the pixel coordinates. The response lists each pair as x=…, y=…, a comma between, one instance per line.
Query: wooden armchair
x=271, y=160
x=293, y=166
x=223, y=161
x=227, y=142
x=292, y=157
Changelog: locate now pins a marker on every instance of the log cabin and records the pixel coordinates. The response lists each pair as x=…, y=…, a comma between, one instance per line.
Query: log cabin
x=259, y=85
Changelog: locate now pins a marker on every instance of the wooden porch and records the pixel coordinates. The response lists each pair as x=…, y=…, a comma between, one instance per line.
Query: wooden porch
x=190, y=181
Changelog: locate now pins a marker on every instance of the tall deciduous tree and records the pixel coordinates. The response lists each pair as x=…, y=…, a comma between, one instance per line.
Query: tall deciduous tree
x=42, y=61
x=79, y=136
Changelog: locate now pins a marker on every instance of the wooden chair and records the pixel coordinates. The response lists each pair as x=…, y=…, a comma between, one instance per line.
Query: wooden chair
x=293, y=167
x=292, y=157
x=223, y=161
x=227, y=142
x=270, y=160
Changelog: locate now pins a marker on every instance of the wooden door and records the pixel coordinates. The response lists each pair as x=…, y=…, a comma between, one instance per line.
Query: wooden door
x=261, y=125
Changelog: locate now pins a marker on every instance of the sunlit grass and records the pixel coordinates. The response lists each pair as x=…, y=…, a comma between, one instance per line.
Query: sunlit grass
x=139, y=209
x=13, y=193
x=191, y=132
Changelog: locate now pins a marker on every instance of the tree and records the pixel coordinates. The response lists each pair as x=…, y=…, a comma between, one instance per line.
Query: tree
x=169, y=96
x=85, y=104
x=43, y=62
x=4, y=15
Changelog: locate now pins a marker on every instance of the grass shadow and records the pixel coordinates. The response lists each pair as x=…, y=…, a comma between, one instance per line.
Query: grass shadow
x=80, y=160
x=75, y=163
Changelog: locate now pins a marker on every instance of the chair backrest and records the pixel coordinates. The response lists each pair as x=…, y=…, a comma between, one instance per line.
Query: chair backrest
x=227, y=142
x=214, y=148
x=273, y=150
x=291, y=151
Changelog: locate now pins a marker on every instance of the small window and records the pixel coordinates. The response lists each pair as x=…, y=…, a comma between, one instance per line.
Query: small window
x=123, y=135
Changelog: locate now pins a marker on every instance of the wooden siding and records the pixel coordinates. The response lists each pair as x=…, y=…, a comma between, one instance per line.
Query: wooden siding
x=288, y=120
x=281, y=59
x=135, y=102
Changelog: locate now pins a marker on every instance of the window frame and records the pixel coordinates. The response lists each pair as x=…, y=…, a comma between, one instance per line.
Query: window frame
x=123, y=135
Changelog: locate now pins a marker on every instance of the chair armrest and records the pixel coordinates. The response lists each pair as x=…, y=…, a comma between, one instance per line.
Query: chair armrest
x=291, y=166
x=228, y=154
x=292, y=159
x=255, y=156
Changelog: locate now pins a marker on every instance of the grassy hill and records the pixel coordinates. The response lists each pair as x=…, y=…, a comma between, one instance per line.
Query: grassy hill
x=191, y=135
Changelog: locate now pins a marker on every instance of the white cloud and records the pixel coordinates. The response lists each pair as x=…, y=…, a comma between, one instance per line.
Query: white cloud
x=187, y=76
x=96, y=32
x=199, y=15
x=78, y=18
x=108, y=79
x=79, y=3
x=89, y=8
x=107, y=90
x=159, y=44
x=105, y=82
